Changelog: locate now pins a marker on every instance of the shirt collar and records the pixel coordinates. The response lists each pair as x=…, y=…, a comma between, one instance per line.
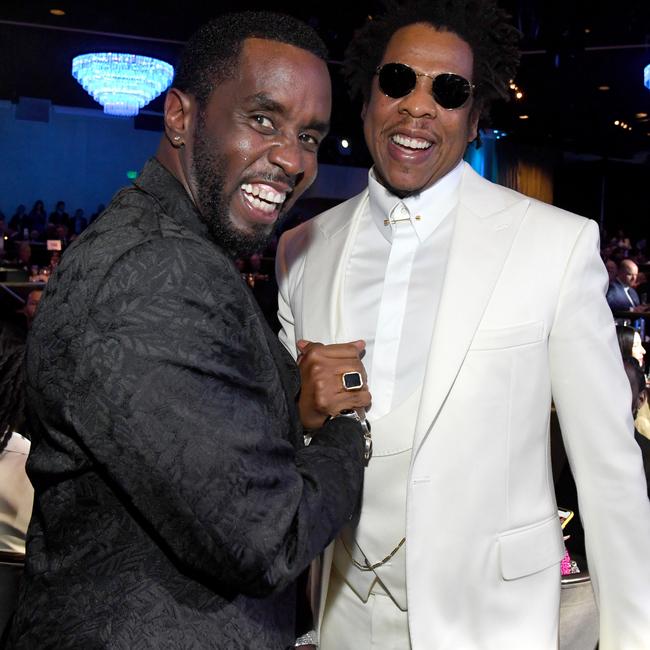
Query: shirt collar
x=432, y=205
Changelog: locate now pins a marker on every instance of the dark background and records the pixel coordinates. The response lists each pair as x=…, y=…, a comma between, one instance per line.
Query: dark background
x=571, y=49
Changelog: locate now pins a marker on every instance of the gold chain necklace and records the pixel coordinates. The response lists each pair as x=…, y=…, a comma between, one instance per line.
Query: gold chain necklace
x=367, y=566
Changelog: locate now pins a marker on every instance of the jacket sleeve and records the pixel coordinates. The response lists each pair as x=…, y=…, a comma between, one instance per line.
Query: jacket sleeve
x=180, y=406
x=593, y=401
x=287, y=270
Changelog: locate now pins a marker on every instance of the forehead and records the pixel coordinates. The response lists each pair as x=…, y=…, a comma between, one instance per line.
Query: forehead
x=430, y=50
x=289, y=75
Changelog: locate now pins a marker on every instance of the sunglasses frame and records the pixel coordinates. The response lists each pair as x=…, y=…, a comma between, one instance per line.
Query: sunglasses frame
x=430, y=76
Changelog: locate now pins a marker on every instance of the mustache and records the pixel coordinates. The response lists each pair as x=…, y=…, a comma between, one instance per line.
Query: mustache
x=272, y=177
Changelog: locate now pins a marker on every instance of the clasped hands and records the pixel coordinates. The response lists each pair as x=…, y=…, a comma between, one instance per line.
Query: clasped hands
x=321, y=370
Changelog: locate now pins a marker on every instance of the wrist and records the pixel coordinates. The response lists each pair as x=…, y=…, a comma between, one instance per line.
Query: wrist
x=358, y=415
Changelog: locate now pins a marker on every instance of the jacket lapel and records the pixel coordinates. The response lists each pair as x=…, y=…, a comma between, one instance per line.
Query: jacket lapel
x=486, y=223
x=324, y=272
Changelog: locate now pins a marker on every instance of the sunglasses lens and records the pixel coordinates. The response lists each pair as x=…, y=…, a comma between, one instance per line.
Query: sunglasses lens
x=396, y=80
x=451, y=90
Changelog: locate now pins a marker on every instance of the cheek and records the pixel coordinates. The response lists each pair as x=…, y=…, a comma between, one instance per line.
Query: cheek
x=310, y=172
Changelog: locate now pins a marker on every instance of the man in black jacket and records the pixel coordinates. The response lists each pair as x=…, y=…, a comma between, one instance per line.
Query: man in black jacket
x=176, y=502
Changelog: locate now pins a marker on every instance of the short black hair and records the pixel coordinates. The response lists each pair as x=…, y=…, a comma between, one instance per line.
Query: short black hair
x=480, y=23
x=211, y=54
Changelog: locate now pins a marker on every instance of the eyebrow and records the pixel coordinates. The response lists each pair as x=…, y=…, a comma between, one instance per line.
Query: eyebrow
x=266, y=103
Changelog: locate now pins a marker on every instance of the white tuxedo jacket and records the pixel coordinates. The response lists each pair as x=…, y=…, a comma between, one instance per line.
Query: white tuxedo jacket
x=522, y=319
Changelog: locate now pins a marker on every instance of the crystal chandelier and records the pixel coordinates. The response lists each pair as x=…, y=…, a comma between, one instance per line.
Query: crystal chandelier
x=121, y=83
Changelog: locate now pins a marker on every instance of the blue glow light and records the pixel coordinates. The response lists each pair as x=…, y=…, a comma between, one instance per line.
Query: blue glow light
x=646, y=76
x=121, y=83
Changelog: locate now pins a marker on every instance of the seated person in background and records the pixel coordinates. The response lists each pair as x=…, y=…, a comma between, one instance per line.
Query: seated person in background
x=17, y=221
x=37, y=218
x=639, y=398
x=612, y=269
x=629, y=341
x=78, y=223
x=16, y=493
x=59, y=216
x=621, y=295
x=31, y=305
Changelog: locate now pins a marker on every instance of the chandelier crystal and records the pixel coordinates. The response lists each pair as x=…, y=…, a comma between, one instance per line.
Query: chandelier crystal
x=122, y=83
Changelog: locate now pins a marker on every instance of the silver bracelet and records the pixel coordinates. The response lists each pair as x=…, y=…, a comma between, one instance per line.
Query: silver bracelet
x=311, y=638
x=359, y=415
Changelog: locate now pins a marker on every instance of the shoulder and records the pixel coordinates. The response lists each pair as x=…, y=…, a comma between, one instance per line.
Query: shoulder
x=136, y=232
x=321, y=227
x=17, y=444
x=483, y=196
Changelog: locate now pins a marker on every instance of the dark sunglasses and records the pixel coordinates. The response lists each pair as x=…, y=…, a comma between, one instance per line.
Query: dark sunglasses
x=450, y=90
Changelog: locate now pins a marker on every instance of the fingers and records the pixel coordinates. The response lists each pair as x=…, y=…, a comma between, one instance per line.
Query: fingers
x=321, y=370
x=332, y=351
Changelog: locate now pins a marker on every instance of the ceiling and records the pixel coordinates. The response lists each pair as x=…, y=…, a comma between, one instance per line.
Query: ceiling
x=571, y=48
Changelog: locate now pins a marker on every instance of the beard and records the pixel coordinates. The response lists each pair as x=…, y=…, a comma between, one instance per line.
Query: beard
x=208, y=167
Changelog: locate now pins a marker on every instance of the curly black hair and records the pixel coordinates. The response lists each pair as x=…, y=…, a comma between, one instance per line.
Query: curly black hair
x=480, y=23
x=211, y=54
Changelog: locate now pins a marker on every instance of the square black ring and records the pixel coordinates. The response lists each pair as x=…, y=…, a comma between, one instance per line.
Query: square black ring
x=352, y=380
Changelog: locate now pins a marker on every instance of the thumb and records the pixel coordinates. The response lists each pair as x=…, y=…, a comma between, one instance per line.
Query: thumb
x=360, y=345
x=302, y=345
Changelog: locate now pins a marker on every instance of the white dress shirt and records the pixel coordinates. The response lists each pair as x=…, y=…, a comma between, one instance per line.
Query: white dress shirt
x=393, y=282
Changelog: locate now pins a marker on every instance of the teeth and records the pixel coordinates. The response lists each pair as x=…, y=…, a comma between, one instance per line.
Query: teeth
x=411, y=143
x=262, y=205
x=258, y=191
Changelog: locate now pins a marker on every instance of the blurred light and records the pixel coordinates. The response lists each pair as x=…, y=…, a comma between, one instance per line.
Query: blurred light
x=121, y=83
x=523, y=117
x=641, y=116
x=492, y=134
x=131, y=175
x=343, y=146
x=57, y=12
x=646, y=76
x=603, y=87
x=616, y=122
x=519, y=94
x=587, y=30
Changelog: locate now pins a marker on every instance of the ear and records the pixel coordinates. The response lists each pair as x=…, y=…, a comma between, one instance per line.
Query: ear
x=472, y=130
x=179, y=112
x=364, y=110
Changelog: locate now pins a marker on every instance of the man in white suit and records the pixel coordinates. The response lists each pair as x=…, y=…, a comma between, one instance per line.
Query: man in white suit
x=478, y=306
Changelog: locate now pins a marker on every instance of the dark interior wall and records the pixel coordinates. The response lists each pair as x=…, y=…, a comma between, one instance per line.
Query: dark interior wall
x=618, y=192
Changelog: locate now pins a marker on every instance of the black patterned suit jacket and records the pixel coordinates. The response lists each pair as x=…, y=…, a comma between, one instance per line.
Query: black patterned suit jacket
x=175, y=501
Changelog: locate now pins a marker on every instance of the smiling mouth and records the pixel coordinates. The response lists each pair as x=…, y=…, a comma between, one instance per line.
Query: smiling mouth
x=263, y=197
x=414, y=144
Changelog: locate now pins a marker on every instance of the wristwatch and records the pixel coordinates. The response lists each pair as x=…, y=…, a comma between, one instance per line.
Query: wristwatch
x=360, y=416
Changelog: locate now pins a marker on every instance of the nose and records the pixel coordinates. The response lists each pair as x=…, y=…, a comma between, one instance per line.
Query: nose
x=419, y=102
x=287, y=154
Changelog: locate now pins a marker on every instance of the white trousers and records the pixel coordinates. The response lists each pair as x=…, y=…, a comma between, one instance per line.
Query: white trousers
x=351, y=624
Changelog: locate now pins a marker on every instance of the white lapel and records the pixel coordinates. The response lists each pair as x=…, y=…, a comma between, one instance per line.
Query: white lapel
x=331, y=240
x=486, y=223
x=324, y=273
